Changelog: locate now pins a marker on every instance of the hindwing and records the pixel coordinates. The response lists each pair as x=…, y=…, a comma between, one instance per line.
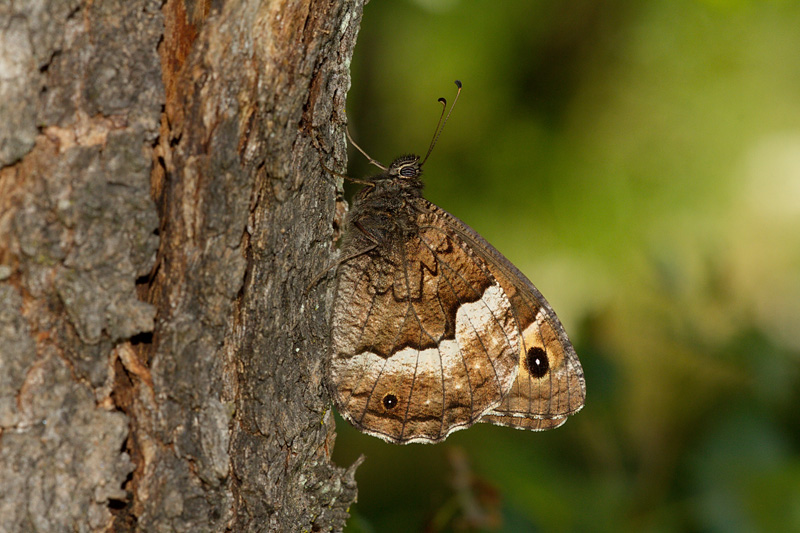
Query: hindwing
x=424, y=336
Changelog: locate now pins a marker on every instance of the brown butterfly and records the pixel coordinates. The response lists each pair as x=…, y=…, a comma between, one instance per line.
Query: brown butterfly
x=433, y=329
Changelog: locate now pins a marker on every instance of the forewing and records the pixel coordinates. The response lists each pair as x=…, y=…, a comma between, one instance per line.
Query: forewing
x=549, y=385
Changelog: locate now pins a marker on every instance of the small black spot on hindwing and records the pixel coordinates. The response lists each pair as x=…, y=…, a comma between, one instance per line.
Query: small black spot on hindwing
x=390, y=401
x=537, y=362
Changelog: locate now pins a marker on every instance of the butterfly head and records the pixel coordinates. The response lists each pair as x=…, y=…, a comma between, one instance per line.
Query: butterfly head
x=406, y=167
x=405, y=171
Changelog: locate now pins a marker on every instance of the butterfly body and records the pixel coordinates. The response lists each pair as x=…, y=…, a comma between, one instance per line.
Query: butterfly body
x=384, y=211
x=434, y=330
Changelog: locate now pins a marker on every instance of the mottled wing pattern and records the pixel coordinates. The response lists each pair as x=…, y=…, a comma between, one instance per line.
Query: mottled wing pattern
x=433, y=347
x=549, y=385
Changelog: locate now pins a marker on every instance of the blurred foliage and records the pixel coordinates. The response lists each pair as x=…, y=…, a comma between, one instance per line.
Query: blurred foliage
x=640, y=161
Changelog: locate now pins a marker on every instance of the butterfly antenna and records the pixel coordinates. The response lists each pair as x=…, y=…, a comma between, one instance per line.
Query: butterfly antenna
x=438, y=130
x=365, y=154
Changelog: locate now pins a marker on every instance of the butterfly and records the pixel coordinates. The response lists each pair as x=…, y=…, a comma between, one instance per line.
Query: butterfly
x=433, y=329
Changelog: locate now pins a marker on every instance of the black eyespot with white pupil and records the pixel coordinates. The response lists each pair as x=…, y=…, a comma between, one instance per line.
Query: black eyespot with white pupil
x=537, y=362
x=390, y=401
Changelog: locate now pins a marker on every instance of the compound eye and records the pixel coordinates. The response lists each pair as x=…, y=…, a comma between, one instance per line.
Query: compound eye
x=408, y=172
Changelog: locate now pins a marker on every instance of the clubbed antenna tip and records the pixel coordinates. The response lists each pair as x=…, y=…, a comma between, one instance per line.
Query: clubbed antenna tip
x=440, y=125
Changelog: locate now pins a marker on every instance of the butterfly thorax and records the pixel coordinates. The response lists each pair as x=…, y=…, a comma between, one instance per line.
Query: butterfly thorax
x=385, y=211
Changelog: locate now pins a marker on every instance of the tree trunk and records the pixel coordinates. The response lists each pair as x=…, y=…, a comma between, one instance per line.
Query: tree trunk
x=163, y=211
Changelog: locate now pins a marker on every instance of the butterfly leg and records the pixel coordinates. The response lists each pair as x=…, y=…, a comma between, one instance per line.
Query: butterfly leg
x=336, y=264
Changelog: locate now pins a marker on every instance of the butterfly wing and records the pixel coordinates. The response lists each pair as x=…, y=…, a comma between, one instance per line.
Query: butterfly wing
x=432, y=348
x=549, y=385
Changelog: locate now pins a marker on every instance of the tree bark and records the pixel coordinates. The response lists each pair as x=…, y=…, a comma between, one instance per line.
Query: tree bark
x=163, y=212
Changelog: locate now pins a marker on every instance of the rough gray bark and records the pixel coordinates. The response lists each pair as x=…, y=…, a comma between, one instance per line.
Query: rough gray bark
x=162, y=212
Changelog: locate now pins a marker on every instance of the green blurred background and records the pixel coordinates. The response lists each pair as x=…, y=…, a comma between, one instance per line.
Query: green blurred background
x=640, y=162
